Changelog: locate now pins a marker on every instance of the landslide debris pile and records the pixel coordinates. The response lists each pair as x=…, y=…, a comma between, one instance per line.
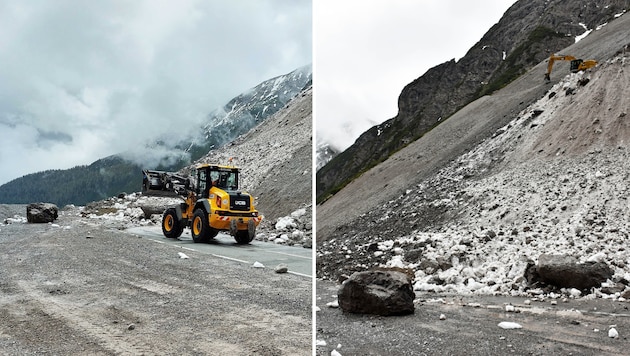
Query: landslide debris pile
x=552, y=181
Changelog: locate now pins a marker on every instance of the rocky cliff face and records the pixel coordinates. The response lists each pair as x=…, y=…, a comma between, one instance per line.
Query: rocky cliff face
x=527, y=34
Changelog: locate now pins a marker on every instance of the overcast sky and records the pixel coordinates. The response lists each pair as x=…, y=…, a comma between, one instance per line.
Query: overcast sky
x=81, y=80
x=367, y=51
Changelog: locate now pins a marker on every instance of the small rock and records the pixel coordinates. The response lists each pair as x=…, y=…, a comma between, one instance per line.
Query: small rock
x=612, y=333
x=282, y=268
x=334, y=304
x=258, y=265
x=510, y=308
x=131, y=327
x=335, y=353
x=442, y=317
x=509, y=325
x=182, y=255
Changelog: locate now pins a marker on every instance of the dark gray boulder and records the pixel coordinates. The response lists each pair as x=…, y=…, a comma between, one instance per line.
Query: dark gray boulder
x=565, y=272
x=41, y=212
x=377, y=292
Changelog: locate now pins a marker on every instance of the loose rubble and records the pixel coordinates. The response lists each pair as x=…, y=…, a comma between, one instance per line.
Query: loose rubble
x=130, y=210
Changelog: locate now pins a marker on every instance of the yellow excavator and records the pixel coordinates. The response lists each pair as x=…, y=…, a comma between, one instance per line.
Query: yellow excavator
x=577, y=64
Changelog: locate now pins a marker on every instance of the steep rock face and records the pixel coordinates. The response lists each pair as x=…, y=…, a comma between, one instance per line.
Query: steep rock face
x=527, y=34
x=249, y=109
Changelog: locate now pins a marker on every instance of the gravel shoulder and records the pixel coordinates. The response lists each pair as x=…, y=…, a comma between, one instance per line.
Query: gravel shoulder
x=470, y=327
x=75, y=287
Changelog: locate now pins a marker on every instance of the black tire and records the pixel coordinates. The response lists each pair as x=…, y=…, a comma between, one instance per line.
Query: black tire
x=200, y=228
x=243, y=237
x=171, y=226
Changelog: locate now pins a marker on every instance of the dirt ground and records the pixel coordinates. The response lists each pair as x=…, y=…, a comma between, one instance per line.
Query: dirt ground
x=470, y=327
x=75, y=288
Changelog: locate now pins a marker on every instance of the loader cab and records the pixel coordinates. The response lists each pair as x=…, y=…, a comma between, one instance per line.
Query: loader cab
x=208, y=176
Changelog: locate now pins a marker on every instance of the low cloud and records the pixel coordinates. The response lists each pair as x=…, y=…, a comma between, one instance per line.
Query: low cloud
x=83, y=80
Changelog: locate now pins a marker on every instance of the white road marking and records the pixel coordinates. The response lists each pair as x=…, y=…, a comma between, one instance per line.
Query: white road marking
x=292, y=255
x=229, y=258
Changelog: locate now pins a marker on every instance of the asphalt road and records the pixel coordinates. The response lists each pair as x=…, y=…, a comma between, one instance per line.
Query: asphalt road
x=299, y=260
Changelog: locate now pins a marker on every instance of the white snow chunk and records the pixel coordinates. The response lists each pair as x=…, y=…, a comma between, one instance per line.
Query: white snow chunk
x=258, y=265
x=613, y=333
x=598, y=257
x=298, y=213
x=510, y=308
x=333, y=304
x=385, y=245
x=509, y=325
x=320, y=343
x=317, y=308
x=442, y=317
x=284, y=223
x=182, y=255
x=334, y=353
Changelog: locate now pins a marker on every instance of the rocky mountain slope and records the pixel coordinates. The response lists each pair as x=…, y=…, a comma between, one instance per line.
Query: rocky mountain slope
x=248, y=109
x=534, y=168
x=122, y=172
x=527, y=33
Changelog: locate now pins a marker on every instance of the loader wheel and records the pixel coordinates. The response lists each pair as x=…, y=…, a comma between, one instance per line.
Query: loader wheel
x=246, y=236
x=171, y=226
x=200, y=228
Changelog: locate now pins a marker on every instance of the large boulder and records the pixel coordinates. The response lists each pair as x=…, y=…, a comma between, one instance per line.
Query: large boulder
x=565, y=272
x=377, y=292
x=41, y=212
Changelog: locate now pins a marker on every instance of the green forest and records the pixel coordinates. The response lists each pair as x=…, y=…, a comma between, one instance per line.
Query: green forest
x=79, y=185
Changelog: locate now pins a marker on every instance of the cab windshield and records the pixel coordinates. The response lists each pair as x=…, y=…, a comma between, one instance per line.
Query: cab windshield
x=227, y=180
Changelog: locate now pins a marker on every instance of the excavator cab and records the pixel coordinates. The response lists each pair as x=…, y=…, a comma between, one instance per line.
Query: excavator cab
x=575, y=65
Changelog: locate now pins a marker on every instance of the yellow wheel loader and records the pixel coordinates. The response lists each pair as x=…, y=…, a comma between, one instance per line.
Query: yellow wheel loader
x=214, y=204
x=577, y=64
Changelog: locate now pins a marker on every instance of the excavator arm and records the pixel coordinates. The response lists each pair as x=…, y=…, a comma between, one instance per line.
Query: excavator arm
x=552, y=59
x=576, y=64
